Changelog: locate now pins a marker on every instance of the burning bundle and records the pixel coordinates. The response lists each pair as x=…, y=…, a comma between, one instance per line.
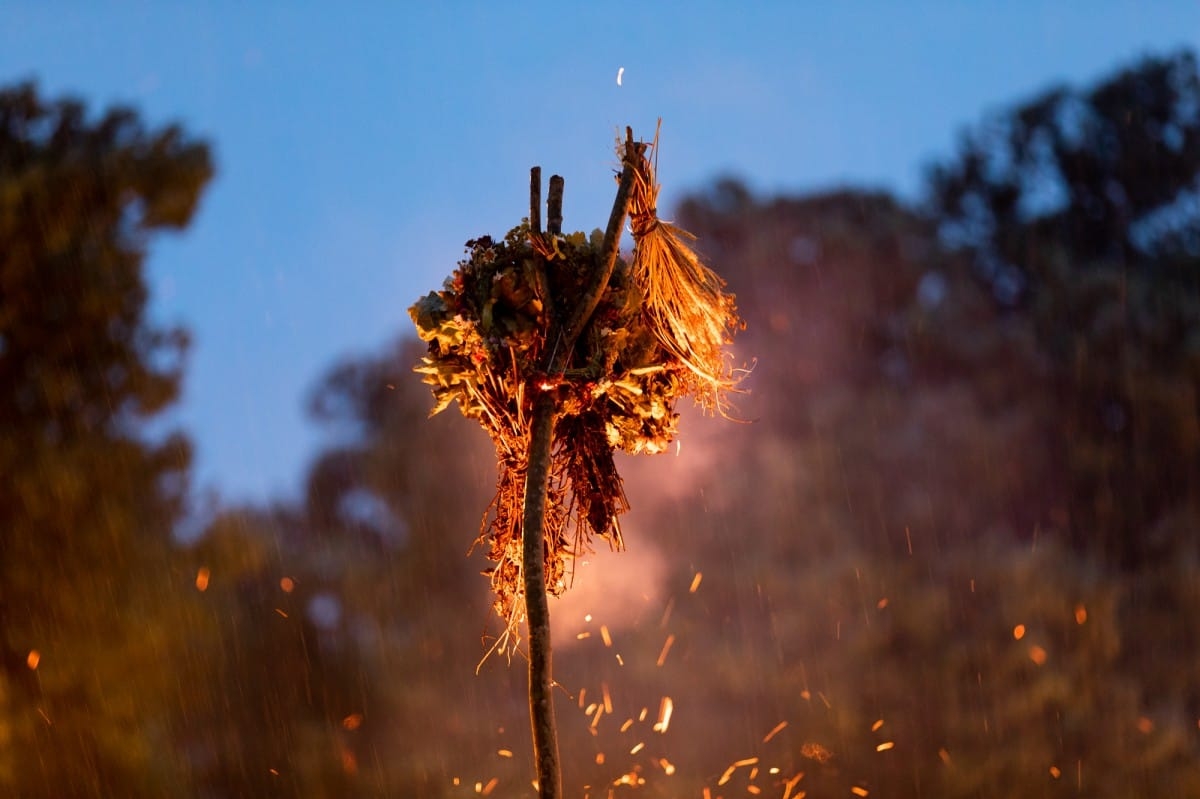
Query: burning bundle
x=507, y=326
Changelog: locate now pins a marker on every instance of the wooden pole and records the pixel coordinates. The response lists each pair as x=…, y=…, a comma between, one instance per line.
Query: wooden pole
x=537, y=475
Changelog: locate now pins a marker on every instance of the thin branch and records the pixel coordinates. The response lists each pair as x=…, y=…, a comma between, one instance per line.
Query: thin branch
x=608, y=253
x=537, y=611
x=535, y=200
x=554, y=216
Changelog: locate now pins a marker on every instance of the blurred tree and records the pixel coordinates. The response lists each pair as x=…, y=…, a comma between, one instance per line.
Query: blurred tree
x=87, y=505
x=1080, y=210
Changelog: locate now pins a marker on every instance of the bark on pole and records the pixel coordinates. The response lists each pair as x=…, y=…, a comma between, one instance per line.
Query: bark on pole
x=537, y=475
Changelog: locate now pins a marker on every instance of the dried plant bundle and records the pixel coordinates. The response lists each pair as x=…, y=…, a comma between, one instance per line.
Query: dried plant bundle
x=656, y=334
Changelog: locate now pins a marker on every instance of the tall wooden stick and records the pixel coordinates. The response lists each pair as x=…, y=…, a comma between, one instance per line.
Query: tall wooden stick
x=537, y=477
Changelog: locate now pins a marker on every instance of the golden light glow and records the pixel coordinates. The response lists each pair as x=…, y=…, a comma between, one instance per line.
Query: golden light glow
x=695, y=583
x=875, y=727
x=639, y=747
x=604, y=636
x=607, y=698
x=599, y=758
x=859, y=791
x=667, y=766
x=628, y=723
x=504, y=752
x=886, y=745
x=1019, y=632
x=202, y=579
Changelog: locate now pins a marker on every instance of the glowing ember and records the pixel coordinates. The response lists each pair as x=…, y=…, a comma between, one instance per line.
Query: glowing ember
x=695, y=583
x=639, y=747
x=886, y=745
x=881, y=604
x=859, y=791
x=778, y=728
x=665, y=709
x=604, y=636
x=666, y=765
x=1055, y=772
x=202, y=579
x=1019, y=632
x=583, y=635
x=353, y=721
x=875, y=727
x=607, y=698
x=1037, y=655
x=814, y=751
x=628, y=723
x=1080, y=614
x=662, y=656
x=504, y=752
x=281, y=612
x=287, y=584
x=33, y=658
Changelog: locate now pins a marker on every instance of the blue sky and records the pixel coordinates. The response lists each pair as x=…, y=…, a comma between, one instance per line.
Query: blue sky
x=360, y=144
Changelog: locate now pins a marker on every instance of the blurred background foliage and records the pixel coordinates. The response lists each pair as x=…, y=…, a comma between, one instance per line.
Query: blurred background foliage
x=955, y=549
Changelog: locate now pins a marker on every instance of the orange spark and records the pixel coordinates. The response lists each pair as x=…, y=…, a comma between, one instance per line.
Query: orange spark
x=1037, y=655
x=1080, y=613
x=662, y=656
x=859, y=791
x=353, y=721
x=1019, y=632
x=665, y=708
x=504, y=752
x=33, y=658
x=886, y=745
x=604, y=636
x=875, y=727
x=202, y=579
x=778, y=728
x=695, y=582
x=287, y=584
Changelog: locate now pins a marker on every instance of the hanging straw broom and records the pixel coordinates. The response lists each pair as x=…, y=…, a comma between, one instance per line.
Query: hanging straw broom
x=685, y=305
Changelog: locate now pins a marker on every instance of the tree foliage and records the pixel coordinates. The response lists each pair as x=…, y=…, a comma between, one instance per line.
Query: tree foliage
x=87, y=506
